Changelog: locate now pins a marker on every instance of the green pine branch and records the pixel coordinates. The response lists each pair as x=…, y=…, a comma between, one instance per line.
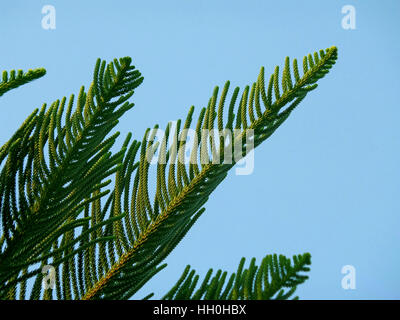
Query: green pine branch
x=276, y=278
x=15, y=79
x=180, y=194
x=56, y=208
x=52, y=193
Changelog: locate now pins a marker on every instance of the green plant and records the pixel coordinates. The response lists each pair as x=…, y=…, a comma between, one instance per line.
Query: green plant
x=105, y=241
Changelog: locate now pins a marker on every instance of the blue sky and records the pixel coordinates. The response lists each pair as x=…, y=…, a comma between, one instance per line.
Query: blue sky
x=326, y=182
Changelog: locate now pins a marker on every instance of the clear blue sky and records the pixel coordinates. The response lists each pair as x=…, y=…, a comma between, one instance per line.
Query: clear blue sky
x=327, y=182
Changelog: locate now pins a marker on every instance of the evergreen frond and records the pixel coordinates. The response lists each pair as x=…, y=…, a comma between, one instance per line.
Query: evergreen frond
x=153, y=227
x=14, y=79
x=276, y=278
x=52, y=169
x=55, y=170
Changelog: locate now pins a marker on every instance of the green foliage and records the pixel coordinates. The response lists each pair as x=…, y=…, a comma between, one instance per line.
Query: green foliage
x=275, y=278
x=58, y=207
x=14, y=79
x=41, y=199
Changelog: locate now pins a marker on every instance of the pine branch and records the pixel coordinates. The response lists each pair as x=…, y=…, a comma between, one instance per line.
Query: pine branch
x=51, y=201
x=275, y=278
x=14, y=79
x=146, y=238
x=51, y=194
